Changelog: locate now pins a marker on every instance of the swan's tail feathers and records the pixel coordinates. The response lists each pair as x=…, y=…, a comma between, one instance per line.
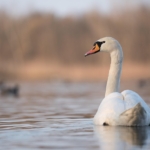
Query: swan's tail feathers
x=135, y=116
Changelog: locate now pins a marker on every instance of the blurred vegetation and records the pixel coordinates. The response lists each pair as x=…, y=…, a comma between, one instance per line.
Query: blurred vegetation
x=50, y=39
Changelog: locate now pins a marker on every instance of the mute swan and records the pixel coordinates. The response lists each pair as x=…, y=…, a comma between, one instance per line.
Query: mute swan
x=126, y=108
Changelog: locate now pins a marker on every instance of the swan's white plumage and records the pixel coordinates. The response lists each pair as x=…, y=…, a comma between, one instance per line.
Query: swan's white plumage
x=113, y=110
x=126, y=108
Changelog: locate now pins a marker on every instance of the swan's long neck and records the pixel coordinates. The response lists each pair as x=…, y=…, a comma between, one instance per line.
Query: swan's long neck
x=113, y=82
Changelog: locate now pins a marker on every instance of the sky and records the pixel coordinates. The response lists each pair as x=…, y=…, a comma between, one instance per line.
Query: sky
x=66, y=7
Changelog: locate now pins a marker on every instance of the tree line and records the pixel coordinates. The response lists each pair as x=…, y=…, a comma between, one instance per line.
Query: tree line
x=46, y=37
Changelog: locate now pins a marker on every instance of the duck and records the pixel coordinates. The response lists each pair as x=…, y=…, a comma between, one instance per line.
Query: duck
x=118, y=109
x=6, y=90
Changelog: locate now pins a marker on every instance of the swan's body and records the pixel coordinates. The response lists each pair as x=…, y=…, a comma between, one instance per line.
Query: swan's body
x=126, y=108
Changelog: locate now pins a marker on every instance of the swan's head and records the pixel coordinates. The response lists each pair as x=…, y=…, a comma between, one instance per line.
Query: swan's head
x=106, y=44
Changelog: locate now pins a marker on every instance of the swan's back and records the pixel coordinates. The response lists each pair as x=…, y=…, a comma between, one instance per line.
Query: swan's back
x=126, y=108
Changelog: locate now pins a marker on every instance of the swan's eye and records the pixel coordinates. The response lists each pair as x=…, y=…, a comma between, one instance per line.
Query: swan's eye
x=99, y=43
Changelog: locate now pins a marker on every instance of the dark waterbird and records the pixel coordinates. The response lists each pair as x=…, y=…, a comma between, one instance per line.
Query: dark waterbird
x=9, y=90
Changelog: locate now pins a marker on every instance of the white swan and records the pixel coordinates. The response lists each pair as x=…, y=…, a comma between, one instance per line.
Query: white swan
x=126, y=108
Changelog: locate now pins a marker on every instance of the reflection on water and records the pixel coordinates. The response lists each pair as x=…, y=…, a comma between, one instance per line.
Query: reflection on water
x=59, y=116
x=117, y=138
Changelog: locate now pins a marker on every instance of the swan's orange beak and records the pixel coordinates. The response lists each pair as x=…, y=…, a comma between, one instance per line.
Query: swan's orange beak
x=94, y=50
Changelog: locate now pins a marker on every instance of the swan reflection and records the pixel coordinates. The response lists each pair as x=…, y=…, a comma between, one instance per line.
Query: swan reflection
x=117, y=138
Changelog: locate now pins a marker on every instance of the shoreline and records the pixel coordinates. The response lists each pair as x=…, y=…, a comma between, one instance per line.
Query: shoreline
x=77, y=73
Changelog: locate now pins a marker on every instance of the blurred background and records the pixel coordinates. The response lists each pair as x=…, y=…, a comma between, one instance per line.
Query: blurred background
x=47, y=40
x=49, y=92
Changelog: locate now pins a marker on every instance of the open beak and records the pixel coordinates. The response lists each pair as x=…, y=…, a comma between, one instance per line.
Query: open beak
x=94, y=50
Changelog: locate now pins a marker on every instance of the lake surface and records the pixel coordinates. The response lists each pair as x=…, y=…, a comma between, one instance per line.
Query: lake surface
x=58, y=116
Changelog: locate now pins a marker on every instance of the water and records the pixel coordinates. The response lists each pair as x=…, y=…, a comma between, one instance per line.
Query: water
x=58, y=116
